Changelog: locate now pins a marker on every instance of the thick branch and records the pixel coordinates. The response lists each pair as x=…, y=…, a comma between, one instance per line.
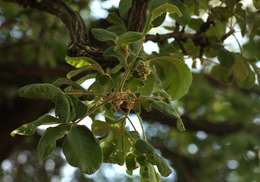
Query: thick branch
x=182, y=36
x=199, y=38
x=137, y=15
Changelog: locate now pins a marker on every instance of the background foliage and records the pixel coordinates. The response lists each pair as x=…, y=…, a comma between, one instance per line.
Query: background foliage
x=218, y=39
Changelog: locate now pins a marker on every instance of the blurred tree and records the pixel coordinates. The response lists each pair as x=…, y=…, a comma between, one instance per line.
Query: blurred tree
x=221, y=110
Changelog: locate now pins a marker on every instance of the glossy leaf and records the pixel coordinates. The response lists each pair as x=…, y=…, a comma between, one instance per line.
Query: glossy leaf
x=79, y=62
x=47, y=142
x=82, y=150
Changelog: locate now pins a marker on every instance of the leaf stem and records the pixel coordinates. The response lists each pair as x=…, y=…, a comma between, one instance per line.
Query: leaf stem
x=142, y=127
x=132, y=123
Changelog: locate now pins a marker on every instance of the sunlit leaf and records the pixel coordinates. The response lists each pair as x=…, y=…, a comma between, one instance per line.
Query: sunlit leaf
x=79, y=62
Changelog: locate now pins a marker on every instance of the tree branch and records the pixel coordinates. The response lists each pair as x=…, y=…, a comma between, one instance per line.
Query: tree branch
x=79, y=45
x=199, y=38
x=137, y=15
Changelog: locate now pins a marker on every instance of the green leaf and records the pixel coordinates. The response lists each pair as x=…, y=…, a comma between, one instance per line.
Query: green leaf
x=48, y=140
x=148, y=173
x=129, y=37
x=72, y=109
x=165, y=108
x=82, y=150
x=114, y=19
x=115, y=52
x=161, y=164
x=79, y=62
x=164, y=8
x=159, y=20
x=103, y=35
x=65, y=81
x=30, y=128
x=114, y=145
x=256, y=4
x=221, y=73
x=180, y=125
x=159, y=11
x=79, y=107
x=242, y=73
x=124, y=7
x=174, y=74
x=143, y=148
x=225, y=57
x=148, y=87
x=62, y=108
x=40, y=91
x=117, y=68
x=251, y=49
x=102, y=85
x=169, y=110
x=79, y=71
x=130, y=162
x=100, y=128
